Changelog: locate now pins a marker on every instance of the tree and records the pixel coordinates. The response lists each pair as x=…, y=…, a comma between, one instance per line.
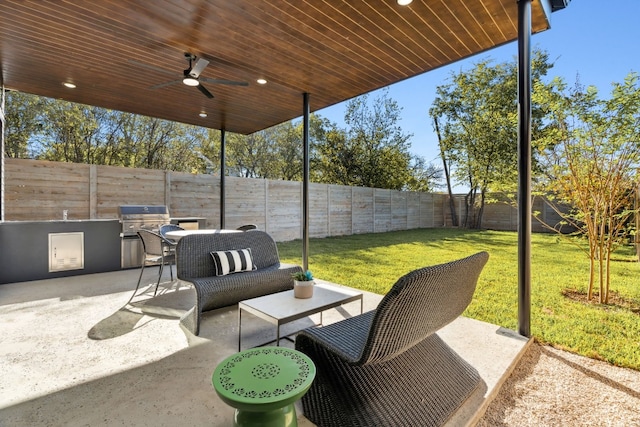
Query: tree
x=56, y=130
x=593, y=158
x=374, y=134
x=23, y=119
x=71, y=132
x=286, y=162
x=446, y=166
x=373, y=152
x=334, y=160
x=208, y=152
x=425, y=177
x=273, y=153
x=477, y=116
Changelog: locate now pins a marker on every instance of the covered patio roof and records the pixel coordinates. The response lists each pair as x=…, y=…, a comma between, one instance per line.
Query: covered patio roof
x=115, y=51
x=120, y=54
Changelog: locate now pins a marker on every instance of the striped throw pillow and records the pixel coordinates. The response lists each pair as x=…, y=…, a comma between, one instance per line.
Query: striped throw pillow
x=226, y=262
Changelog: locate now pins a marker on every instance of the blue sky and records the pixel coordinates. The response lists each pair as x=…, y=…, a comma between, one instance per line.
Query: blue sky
x=593, y=39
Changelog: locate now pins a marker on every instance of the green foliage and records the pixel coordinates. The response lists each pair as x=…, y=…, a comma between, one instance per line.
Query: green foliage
x=373, y=262
x=373, y=151
x=425, y=177
x=334, y=160
x=50, y=129
x=248, y=155
x=70, y=132
x=376, y=140
x=23, y=119
x=477, y=116
x=593, y=158
x=301, y=276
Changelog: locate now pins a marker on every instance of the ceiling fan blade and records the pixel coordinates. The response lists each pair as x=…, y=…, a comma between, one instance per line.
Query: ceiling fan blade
x=198, y=67
x=158, y=86
x=151, y=67
x=204, y=91
x=223, y=82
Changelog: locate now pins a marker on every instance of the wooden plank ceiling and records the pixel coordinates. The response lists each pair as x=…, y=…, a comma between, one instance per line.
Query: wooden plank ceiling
x=114, y=51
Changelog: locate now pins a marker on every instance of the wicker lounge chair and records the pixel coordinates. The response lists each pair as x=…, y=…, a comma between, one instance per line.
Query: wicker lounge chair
x=388, y=367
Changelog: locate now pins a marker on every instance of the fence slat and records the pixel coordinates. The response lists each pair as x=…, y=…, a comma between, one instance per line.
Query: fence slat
x=38, y=190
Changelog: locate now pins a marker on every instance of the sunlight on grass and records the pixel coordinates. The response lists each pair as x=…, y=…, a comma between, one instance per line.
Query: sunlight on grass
x=373, y=262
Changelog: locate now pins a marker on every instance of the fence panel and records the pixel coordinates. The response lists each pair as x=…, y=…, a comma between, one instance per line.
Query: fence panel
x=118, y=186
x=245, y=202
x=40, y=190
x=382, y=213
x=284, y=210
x=363, y=210
x=340, y=210
x=319, y=216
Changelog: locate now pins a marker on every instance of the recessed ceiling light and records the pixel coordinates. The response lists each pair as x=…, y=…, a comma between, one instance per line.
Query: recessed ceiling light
x=69, y=85
x=404, y=2
x=262, y=81
x=203, y=114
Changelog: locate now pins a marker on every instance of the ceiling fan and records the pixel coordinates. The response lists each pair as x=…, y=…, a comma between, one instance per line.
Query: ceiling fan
x=191, y=76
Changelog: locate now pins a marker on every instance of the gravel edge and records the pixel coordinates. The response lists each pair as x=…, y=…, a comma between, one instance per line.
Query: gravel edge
x=551, y=387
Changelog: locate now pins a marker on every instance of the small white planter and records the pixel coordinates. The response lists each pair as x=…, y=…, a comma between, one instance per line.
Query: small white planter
x=303, y=288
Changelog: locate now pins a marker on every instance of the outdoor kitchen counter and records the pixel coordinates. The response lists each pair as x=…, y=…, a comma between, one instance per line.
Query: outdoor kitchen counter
x=57, y=220
x=176, y=235
x=24, y=246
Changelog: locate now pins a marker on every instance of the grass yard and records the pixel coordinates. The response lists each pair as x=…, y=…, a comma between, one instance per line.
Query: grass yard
x=373, y=262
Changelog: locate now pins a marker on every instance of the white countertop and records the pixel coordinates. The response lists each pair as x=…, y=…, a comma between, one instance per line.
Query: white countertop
x=179, y=234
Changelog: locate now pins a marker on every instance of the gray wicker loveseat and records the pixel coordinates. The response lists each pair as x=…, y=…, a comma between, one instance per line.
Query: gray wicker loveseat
x=195, y=264
x=388, y=367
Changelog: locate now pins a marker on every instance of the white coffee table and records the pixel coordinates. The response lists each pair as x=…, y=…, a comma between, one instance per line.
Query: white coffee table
x=283, y=307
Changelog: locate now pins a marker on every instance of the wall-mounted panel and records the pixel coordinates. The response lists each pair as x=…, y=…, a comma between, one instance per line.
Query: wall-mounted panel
x=66, y=251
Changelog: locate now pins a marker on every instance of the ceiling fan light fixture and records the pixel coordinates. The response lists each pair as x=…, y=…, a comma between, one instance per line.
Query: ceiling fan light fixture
x=69, y=85
x=190, y=81
x=262, y=81
x=404, y=2
x=202, y=114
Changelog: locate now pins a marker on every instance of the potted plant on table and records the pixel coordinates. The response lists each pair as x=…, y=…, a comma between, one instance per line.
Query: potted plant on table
x=303, y=284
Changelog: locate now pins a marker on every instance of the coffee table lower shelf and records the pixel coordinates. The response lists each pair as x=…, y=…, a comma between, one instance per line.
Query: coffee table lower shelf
x=282, y=307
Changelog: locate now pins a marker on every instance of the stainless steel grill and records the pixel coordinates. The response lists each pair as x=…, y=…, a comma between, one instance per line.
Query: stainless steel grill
x=134, y=218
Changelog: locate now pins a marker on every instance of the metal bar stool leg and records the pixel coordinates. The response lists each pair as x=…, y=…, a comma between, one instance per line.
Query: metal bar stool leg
x=159, y=277
x=138, y=285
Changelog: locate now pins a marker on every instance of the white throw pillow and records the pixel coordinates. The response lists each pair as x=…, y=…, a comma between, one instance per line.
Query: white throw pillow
x=226, y=262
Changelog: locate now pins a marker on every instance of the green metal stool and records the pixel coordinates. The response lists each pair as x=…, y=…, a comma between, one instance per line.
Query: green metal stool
x=263, y=383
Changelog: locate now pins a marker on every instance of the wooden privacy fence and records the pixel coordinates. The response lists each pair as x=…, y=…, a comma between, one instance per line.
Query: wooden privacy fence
x=40, y=190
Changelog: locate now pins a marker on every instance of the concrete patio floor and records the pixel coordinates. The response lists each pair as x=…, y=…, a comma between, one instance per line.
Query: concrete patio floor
x=73, y=354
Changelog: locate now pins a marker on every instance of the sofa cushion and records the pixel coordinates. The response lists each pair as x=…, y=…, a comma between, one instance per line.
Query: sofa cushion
x=234, y=261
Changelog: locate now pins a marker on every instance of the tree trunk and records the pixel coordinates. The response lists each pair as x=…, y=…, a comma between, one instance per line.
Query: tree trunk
x=469, y=207
x=481, y=209
x=452, y=203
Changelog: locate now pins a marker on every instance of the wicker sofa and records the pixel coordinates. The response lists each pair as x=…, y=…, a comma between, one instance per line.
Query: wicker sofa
x=195, y=265
x=388, y=367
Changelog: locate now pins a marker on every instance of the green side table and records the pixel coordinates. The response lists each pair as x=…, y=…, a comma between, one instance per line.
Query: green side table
x=263, y=383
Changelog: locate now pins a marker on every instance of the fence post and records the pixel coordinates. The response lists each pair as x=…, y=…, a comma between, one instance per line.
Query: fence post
x=329, y=209
x=266, y=206
x=93, y=191
x=167, y=189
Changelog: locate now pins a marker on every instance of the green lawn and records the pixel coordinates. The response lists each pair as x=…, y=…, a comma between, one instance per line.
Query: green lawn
x=373, y=262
